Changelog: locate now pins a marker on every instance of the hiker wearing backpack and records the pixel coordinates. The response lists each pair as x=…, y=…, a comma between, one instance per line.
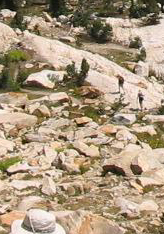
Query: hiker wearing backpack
x=140, y=98
x=120, y=84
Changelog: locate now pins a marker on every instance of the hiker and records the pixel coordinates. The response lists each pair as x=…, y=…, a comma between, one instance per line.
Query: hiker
x=162, y=102
x=140, y=98
x=120, y=83
x=37, y=221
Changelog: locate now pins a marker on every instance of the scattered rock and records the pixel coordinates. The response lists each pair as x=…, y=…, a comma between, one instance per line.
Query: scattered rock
x=20, y=120
x=124, y=118
x=90, y=151
x=48, y=187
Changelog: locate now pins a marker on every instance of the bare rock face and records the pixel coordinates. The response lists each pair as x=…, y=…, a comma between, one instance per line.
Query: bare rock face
x=102, y=73
x=83, y=222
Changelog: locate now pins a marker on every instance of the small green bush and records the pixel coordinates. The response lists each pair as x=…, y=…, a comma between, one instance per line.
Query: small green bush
x=141, y=56
x=83, y=73
x=16, y=56
x=7, y=82
x=80, y=18
x=138, y=11
x=6, y=163
x=135, y=43
x=74, y=76
x=100, y=32
x=151, y=19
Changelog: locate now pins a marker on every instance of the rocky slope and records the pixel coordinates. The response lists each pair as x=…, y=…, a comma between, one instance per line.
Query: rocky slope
x=86, y=154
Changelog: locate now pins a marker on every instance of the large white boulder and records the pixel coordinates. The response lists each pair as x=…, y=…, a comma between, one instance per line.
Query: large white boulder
x=8, y=36
x=45, y=78
x=7, y=14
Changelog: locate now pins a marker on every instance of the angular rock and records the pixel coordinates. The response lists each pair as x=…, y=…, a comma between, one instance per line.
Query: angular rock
x=42, y=111
x=25, y=184
x=30, y=108
x=159, y=154
x=125, y=135
x=83, y=120
x=48, y=187
x=108, y=129
x=18, y=168
x=57, y=123
x=85, y=132
x=148, y=206
x=133, y=161
x=17, y=99
x=156, y=174
x=58, y=97
x=154, y=118
x=148, y=182
x=67, y=39
x=144, y=161
x=145, y=129
x=50, y=153
x=90, y=151
x=63, y=19
x=7, y=219
x=31, y=137
x=124, y=118
x=47, y=17
x=90, y=92
x=120, y=164
x=9, y=145
x=128, y=209
x=4, y=209
x=32, y=202
x=117, y=146
x=20, y=120
x=7, y=14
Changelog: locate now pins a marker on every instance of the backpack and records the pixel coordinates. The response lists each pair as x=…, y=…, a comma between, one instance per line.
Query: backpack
x=121, y=80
